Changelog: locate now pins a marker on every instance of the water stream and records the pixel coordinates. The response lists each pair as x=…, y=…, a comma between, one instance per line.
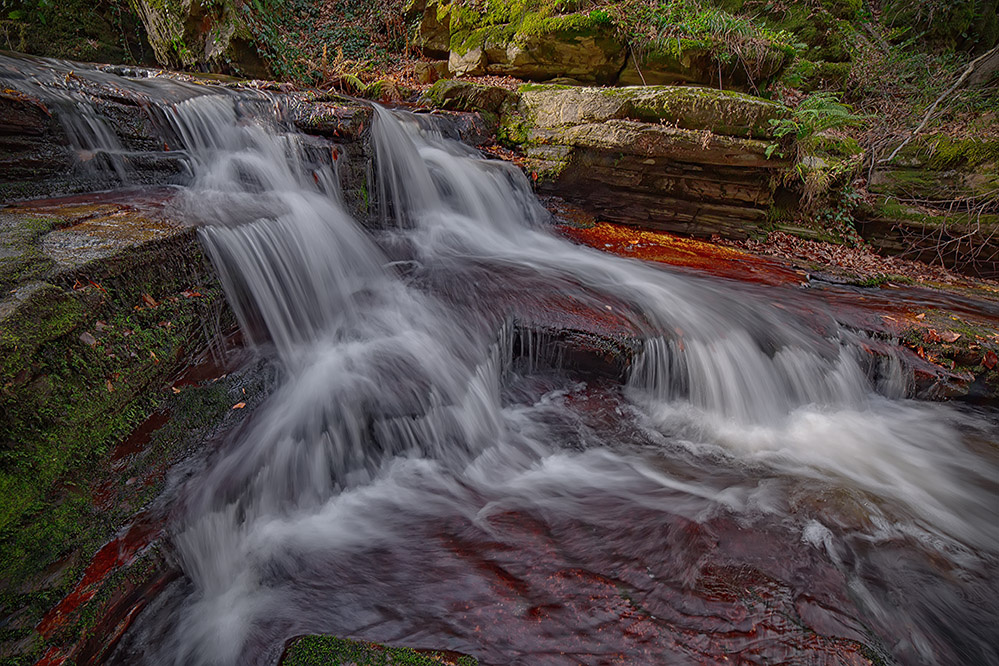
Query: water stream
x=757, y=489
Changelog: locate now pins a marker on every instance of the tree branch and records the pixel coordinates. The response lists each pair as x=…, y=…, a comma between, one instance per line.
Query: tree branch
x=957, y=84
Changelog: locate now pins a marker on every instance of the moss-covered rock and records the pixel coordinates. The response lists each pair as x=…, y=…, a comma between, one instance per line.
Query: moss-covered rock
x=538, y=47
x=697, y=62
x=939, y=152
x=199, y=34
x=331, y=651
x=107, y=300
x=465, y=96
x=720, y=112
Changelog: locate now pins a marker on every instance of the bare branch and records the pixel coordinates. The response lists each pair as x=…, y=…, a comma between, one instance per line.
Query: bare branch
x=957, y=84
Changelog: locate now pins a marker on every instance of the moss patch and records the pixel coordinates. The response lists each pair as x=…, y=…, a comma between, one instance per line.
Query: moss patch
x=21, y=258
x=332, y=651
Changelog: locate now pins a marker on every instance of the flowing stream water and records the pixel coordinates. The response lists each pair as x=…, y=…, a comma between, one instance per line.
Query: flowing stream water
x=756, y=490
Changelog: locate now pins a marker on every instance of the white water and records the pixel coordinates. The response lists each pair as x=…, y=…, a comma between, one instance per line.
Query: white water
x=392, y=411
x=400, y=408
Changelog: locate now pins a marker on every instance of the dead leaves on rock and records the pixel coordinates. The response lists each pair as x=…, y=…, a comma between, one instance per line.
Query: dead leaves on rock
x=932, y=336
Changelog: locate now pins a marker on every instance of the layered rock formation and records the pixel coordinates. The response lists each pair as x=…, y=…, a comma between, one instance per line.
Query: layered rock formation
x=937, y=202
x=688, y=160
x=588, y=46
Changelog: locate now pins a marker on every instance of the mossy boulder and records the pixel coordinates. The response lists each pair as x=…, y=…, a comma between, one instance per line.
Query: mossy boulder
x=319, y=650
x=720, y=112
x=581, y=46
x=102, y=301
x=433, y=28
x=936, y=202
x=465, y=96
x=200, y=35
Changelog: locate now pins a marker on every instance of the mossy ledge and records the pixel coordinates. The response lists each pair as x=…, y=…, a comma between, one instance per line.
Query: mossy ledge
x=321, y=650
x=113, y=302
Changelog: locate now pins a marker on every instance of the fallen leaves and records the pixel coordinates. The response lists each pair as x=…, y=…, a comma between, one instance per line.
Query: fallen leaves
x=239, y=405
x=990, y=360
x=931, y=335
x=149, y=300
x=861, y=261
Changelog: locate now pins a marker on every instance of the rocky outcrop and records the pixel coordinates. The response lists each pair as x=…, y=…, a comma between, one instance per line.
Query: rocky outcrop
x=676, y=159
x=696, y=63
x=199, y=34
x=587, y=52
x=92, y=130
x=103, y=299
x=937, y=202
x=531, y=41
x=462, y=96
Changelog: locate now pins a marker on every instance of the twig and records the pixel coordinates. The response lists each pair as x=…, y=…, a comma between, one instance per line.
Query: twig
x=967, y=72
x=637, y=68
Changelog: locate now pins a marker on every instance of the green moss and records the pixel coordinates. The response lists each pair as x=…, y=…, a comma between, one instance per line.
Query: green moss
x=834, y=145
x=21, y=258
x=45, y=314
x=825, y=36
x=514, y=130
x=332, y=651
x=943, y=152
x=586, y=23
x=890, y=208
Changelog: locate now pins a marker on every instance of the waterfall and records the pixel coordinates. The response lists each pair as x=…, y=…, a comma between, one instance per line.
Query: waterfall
x=402, y=413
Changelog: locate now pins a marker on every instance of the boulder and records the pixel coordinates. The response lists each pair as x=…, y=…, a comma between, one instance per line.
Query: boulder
x=433, y=32
x=695, y=63
x=688, y=160
x=721, y=112
x=199, y=34
x=465, y=96
x=573, y=46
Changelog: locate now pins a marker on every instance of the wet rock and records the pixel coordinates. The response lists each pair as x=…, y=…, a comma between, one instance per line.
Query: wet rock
x=65, y=398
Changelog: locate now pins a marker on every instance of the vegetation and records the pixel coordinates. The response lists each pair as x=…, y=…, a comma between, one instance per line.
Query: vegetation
x=332, y=651
x=677, y=27
x=101, y=31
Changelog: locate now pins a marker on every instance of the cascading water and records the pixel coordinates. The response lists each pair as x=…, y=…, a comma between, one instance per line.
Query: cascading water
x=411, y=482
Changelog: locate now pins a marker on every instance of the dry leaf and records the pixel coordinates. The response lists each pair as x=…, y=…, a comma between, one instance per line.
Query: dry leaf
x=990, y=360
x=149, y=300
x=921, y=315
x=950, y=336
x=175, y=389
x=239, y=405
